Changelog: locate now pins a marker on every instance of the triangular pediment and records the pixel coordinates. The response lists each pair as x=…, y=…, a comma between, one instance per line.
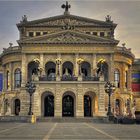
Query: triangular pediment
x=63, y=20
x=69, y=37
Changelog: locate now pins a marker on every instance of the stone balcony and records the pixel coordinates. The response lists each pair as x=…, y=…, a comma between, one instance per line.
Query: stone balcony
x=69, y=78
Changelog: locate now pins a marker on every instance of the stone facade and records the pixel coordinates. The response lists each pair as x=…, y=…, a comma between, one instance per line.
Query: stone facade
x=68, y=38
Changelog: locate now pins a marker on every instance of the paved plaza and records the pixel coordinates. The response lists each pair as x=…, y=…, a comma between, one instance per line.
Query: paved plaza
x=68, y=131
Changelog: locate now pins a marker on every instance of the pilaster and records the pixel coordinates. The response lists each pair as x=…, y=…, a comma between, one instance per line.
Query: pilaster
x=58, y=101
x=80, y=101
x=24, y=98
x=42, y=63
x=76, y=65
x=24, y=70
x=111, y=68
x=36, y=102
x=101, y=100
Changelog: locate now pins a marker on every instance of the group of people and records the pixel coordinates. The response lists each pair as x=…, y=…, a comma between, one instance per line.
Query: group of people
x=126, y=113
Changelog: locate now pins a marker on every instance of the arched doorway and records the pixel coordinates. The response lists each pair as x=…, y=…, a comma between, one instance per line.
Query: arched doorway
x=49, y=106
x=17, y=107
x=68, y=106
x=87, y=106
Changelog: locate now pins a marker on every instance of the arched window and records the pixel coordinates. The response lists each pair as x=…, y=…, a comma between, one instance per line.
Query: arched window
x=117, y=78
x=17, y=77
x=7, y=79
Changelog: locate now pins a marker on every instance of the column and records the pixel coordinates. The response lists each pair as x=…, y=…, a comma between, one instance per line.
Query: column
x=101, y=100
x=76, y=68
x=10, y=77
x=94, y=63
x=24, y=99
x=58, y=101
x=111, y=68
x=4, y=77
x=36, y=102
x=79, y=102
x=129, y=77
x=24, y=70
x=42, y=63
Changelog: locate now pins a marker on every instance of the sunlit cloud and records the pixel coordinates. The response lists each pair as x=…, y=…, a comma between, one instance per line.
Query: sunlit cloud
x=123, y=12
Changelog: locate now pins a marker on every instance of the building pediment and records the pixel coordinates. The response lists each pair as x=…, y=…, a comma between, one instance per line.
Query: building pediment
x=69, y=37
x=63, y=20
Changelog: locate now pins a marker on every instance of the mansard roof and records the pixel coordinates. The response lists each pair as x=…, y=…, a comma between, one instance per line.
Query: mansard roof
x=66, y=19
x=68, y=37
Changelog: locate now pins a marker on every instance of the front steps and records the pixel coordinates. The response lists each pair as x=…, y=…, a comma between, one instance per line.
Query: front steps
x=73, y=119
x=94, y=119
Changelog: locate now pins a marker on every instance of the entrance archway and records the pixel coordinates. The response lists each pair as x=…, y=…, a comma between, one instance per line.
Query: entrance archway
x=68, y=106
x=90, y=104
x=87, y=106
x=17, y=106
x=49, y=106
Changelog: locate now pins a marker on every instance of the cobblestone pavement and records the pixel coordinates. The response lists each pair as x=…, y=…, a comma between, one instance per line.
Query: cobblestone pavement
x=68, y=131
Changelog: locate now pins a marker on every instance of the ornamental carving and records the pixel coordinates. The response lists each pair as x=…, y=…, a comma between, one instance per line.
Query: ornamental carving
x=68, y=37
x=65, y=21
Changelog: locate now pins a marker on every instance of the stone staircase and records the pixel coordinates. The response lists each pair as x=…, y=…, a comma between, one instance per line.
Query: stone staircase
x=73, y=119
x=54, y=119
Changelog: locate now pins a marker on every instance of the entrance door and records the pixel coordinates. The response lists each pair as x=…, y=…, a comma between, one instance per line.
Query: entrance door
x=17, y=106
x=87, y=106
x=68, y=106
x=49, y=106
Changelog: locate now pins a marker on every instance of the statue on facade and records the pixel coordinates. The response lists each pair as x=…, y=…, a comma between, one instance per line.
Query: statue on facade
x=24, y=18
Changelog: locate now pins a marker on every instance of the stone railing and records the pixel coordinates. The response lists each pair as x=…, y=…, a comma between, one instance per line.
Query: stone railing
x=89, y=78
x=68, y=78
x=124, y=50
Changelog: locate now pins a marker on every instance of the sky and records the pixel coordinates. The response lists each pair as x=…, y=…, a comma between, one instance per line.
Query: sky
x=126, y=13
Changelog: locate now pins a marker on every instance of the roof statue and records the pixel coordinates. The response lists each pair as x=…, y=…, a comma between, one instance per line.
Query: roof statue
x=108, y=18
x=10, y=44
x=24, y=19
x=66, y=7
x=123, y=44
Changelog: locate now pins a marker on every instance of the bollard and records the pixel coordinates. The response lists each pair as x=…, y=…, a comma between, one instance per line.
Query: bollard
x=33, y=119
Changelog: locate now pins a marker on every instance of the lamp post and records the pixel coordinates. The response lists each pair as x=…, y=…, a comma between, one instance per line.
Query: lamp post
x=79, y=61
x=58, y=62
x=109, y=89
x=30, y=88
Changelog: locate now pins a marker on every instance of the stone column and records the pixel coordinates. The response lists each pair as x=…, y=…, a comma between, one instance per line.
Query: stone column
x=76, y=70
x=58, y=77
x=10, y=77
x=24, y=106
x=58, y=102
x=36, y=99
x=4, y=77
x=94, y=64
x=101, y=100
x=123, y=77
x=42, y=63
x=24, y=70
x=129, y=77
x=79, y=101
x=111, y=68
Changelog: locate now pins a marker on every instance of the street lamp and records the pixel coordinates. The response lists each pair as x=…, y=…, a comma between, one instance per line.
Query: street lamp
x=30, y=88
x=109, y=89
x=79, y=61
x=58, y=62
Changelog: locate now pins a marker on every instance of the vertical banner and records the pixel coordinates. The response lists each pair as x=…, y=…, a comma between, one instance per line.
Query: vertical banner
x=1, y=82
